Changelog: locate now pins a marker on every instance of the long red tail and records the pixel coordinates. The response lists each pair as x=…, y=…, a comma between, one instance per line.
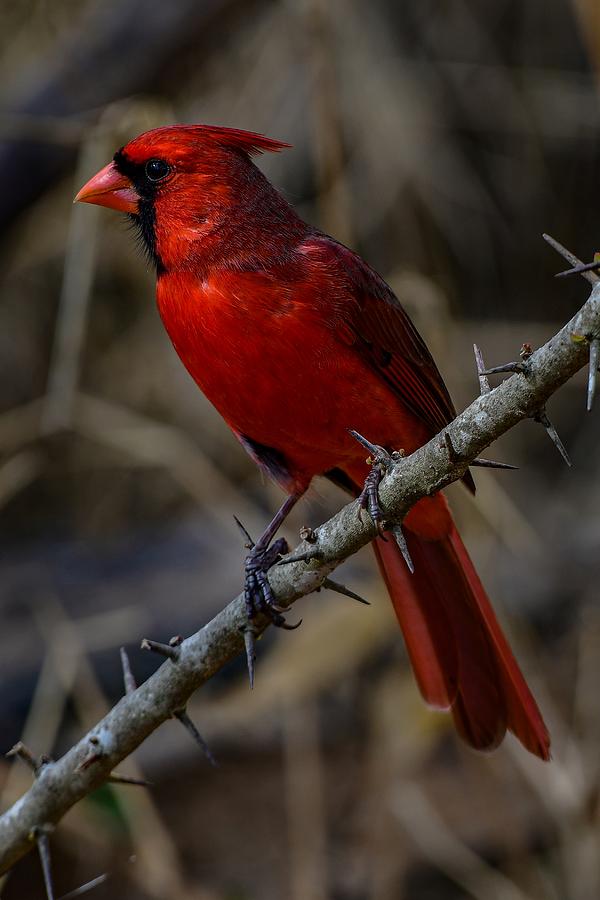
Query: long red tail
x=460, y=657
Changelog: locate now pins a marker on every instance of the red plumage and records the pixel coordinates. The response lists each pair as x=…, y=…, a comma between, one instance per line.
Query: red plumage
x=295, y=340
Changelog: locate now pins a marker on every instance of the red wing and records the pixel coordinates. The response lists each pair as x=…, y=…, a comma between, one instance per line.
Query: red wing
x=381, y=331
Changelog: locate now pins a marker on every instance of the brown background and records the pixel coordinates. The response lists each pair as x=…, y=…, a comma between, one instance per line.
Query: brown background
x=439, y=139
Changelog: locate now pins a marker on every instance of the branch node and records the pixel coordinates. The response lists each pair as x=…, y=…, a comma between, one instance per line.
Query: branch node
x=168, y=650
x=308, y=534
x=453, y=455
x=183, y=717
x=92, y=758
x=526, y=351
x=128, y=679
x=101, y=745
x=342, y=589
x=520, y=366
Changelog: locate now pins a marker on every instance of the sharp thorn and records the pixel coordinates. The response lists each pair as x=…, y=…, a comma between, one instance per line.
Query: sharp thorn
x=401, y=541
x=490, y=464
x=301, y=557
x=43, y=844
x=577, y=270
x=542, y=418
x=484, y=385
x=115, y=778
x=250, y=644
x=570, y=257
x=342, y=589
x=167, y=650
x=23, y=752
x=189, y=726
x=507, y=367
x=308, y=534
x=128, y=679
x=562, y=250
x=84, y=888
x=249, y=542
x=593, y=371
x=372, y=448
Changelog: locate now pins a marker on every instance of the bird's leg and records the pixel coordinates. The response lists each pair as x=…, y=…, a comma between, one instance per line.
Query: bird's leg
x=380, y=461
x=258, y=596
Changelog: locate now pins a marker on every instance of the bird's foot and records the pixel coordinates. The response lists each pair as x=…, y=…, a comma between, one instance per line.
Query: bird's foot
x=258, y=595
x=380, y=461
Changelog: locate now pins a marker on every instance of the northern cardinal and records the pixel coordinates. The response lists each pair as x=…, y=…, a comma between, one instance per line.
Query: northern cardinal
x=296, y=340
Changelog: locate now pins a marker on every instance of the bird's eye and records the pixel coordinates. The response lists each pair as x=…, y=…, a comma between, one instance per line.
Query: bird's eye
x=156, y=169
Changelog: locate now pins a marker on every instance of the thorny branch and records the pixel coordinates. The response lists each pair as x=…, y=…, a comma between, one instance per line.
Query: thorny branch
x=59, y=785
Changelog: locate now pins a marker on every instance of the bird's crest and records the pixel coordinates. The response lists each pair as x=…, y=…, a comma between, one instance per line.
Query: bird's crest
x=248, y=141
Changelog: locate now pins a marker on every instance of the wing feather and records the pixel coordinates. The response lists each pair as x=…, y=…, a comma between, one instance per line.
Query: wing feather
x=384, y=335
x=380, y=330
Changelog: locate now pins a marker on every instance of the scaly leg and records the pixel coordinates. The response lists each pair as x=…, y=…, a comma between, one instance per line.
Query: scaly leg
x=368, y=499
x=257, y=590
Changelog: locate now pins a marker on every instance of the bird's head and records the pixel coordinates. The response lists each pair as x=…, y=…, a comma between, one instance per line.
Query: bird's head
x=182, y=185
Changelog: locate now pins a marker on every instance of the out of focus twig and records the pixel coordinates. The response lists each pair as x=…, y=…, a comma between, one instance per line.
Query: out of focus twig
x=446, y=851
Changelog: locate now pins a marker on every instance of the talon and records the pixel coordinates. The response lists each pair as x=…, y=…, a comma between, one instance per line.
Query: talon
x=258, y=596
x=369, y=496
x=287, y=627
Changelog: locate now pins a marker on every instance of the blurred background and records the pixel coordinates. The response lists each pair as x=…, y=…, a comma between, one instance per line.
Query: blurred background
x=439, y=139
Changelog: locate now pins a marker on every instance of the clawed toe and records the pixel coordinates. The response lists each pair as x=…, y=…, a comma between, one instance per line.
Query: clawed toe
x=380, y=461
x=257, y=590
x=258, y=596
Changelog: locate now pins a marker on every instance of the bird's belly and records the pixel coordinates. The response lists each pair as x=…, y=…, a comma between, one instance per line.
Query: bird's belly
x=287, y=383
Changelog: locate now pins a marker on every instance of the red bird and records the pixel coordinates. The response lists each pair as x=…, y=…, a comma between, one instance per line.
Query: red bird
x=296, y=340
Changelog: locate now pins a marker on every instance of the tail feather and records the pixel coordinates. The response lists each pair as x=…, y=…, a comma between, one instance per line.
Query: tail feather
x=524, y=717
x=461, y=659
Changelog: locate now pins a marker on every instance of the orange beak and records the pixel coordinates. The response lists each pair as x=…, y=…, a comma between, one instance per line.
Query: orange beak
x=109, y=188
